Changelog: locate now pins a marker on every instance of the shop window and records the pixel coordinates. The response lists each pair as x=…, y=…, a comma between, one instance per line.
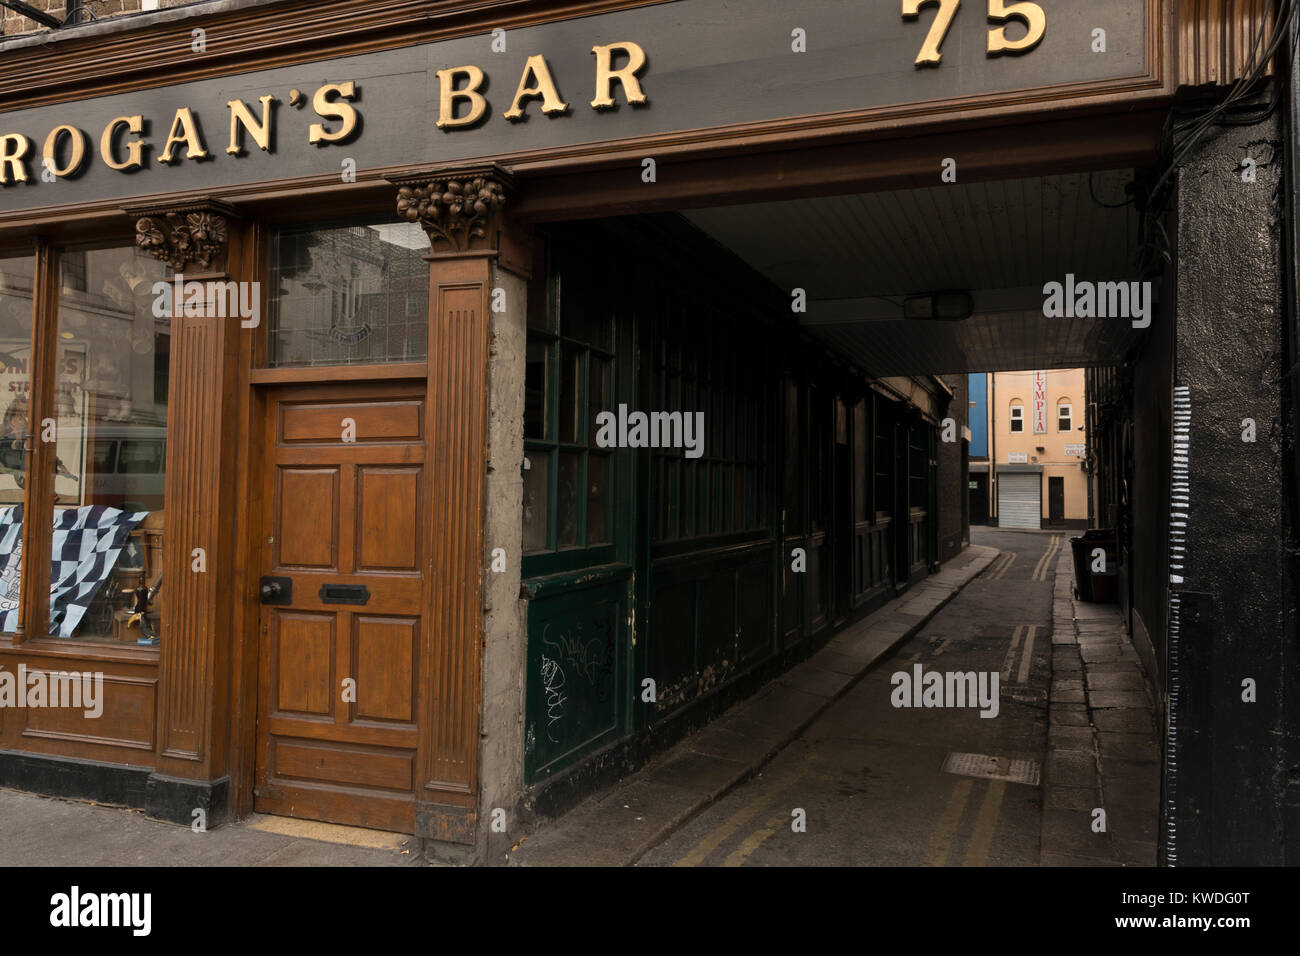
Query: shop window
x=569, y=380
x=1064, y=417
x=15, y=355
x=1017, y=418
x=111, y=448
x=348, y=295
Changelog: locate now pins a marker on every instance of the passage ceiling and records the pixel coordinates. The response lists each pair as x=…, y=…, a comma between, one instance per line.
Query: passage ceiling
x=857, y=257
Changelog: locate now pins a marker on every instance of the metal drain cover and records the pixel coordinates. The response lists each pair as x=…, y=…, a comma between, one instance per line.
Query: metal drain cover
x=992, y=768
x=1026, y=695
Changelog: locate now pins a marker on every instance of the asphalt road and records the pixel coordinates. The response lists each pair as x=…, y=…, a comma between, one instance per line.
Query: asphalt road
x=866, y=779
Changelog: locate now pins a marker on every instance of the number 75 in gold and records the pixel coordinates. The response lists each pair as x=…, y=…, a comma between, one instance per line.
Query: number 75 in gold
x=1030, y=14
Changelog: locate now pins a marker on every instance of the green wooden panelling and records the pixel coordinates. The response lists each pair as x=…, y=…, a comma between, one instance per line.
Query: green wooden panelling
x=575, y=658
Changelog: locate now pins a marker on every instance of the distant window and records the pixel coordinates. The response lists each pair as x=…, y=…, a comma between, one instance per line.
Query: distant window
x=1017, y=418
x=1065, y=417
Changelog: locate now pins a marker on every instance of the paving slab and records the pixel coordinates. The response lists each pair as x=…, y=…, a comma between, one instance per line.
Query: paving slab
x=1071, y=768
x=1067, y=695
x=1070, y=715
x=1070, y=832
x=1072, y=798
x=1135, y=853
x=1124, y=720
x=813, y=677
x=1130, y=680
x=1063, y=737
x=784, y=708
x=1127, y=666
x=708, y=774
x=1135, y=747
x=1104, y=699
x=1102, y=653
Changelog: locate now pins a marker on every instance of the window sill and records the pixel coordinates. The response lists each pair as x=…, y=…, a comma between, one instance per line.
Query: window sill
x=55, y=647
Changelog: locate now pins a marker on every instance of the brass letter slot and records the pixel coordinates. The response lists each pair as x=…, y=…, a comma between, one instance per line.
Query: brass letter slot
x=344, y=594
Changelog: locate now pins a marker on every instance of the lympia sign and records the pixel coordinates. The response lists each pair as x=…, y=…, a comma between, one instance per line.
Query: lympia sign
x=1040, y=403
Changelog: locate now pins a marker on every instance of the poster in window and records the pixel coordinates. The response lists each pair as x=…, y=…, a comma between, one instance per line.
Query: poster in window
x=70, y=413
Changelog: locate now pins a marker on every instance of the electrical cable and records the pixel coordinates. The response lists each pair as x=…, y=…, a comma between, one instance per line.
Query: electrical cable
x=1152, y=249
x=1092, y=191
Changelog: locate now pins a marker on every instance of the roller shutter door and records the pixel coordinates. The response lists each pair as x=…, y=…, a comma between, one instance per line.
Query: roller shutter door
x=1020, y=501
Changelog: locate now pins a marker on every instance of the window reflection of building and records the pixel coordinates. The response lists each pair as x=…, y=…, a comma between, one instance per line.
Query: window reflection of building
x=111, y=414
x=355, y=294
x=113, y=351
x=15, y=348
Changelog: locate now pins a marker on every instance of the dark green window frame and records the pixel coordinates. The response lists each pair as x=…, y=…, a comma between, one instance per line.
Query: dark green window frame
x=712, y=367
x=575, y=334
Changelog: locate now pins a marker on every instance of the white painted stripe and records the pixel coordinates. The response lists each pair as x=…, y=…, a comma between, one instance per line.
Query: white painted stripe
x=1009, y=661
x=1026, y=658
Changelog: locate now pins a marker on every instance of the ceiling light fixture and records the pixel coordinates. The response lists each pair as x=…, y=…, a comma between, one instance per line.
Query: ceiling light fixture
x=939, y=306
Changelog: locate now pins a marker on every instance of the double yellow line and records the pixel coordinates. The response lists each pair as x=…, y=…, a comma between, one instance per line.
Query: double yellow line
x=763, y=799
x=1045, y=562
x=981, y=840
x=1001, y=564
x=1009, y=661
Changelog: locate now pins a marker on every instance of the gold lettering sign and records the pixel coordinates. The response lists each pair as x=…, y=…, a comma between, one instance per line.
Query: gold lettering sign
x=77, y=156
x=447, y=80
x=542, y=86
x=462, y=104
x=337, y=109
x=134, y=149
x=241, y=118
x=14, y=148
x=184, y=130
x=606, y=75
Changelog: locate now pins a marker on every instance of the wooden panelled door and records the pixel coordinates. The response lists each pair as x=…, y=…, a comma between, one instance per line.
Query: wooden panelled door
x=343, y=603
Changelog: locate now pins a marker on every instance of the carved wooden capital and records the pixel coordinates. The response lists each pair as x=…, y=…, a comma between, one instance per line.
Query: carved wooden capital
x=185, y=235
x=459, y=207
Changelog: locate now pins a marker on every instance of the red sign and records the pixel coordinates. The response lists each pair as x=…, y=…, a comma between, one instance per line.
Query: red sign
x=1040, y=403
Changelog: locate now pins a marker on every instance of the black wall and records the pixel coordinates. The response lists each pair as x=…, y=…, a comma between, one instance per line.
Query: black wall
x=1228, y=776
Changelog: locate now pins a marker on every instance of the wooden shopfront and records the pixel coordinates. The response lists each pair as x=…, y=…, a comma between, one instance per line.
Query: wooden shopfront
x=304, y=466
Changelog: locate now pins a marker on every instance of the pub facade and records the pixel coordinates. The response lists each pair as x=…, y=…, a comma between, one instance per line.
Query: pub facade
x=327, y=327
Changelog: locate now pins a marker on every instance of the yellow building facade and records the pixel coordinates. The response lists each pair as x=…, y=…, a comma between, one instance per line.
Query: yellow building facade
x=1037, y=449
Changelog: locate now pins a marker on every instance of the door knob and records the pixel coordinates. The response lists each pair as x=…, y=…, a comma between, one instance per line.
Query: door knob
x=276, y=590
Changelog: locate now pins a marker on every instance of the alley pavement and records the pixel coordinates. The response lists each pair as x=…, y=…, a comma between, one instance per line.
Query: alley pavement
x=867, y=783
